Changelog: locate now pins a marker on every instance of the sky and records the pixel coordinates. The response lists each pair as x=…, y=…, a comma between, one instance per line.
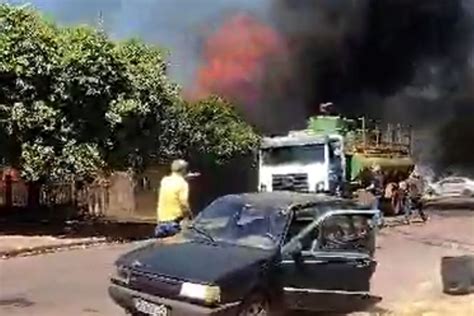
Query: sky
x=178, y=25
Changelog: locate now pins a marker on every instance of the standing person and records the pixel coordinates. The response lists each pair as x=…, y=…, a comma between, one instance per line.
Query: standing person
x=173, y=200
x=416, y=187
x=376, y=187
x=404, y=201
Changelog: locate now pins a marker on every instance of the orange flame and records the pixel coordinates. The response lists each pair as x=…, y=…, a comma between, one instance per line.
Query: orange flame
x=235, y=60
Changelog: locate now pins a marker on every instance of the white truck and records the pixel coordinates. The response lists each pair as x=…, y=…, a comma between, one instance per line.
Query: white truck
x=303, y=162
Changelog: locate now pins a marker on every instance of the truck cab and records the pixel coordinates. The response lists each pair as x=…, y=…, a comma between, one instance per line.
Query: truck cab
x=302, y=162
x=334, y=155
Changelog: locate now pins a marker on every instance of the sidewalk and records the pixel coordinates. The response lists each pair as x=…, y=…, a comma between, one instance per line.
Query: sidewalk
x=21, y=239
x=17, y=245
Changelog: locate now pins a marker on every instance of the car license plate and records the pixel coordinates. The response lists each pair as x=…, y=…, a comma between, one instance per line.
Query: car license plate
x=150, y=308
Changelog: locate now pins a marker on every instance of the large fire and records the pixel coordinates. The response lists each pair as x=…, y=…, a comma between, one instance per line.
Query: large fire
x=235, y=60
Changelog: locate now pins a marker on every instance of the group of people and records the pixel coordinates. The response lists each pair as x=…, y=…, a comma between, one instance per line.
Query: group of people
x=407, y=194
x=173, y=200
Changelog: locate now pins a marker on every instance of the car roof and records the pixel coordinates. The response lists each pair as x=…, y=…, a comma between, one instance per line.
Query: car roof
x=294, y=201
x=454, y=178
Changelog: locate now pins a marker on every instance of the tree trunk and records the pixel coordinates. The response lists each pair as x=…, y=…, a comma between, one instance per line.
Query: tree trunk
x=33, y=195
x=8, y=191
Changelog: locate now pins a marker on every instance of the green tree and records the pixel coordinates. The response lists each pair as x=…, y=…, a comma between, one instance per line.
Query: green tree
x=73, y=103
x=150, y=123
x=63, y=94
x=218, y=133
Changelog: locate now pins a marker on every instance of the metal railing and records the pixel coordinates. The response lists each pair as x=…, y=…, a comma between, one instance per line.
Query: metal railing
x=389, y=139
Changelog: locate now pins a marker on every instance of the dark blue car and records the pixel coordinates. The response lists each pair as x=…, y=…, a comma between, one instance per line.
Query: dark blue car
x=255, y=254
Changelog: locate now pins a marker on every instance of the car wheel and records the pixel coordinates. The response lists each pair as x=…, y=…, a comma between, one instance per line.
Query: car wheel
x=256, y=305
x=466, y=193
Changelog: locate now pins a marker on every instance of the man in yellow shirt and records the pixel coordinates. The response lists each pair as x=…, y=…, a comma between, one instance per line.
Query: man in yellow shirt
x=173, y=204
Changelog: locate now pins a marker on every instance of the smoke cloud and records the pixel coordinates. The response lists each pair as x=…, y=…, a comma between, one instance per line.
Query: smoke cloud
x=365, y=54
x=394, y=60
x=240, y=60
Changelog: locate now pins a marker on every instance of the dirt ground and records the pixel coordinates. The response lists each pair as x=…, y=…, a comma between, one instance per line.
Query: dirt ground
x=408, y=276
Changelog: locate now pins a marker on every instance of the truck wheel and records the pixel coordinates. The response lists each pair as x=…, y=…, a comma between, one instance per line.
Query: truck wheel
x=255, y=305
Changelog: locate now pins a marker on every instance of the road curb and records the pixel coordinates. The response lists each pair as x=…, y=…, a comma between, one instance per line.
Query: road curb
x=31, y=251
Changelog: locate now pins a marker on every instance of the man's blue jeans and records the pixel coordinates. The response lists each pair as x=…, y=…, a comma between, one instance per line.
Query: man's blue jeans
x=407, y=208
x=167, y=229
x=379, y=216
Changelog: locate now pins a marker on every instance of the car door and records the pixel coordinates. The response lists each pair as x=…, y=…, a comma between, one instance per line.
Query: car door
x=452, y=186
x=321, y=278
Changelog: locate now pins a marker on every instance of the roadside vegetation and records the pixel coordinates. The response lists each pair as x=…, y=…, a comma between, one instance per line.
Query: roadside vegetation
x=74, y=103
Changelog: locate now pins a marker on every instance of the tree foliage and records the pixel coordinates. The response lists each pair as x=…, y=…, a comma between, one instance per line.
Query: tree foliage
x=219, y=132
x=73, y=103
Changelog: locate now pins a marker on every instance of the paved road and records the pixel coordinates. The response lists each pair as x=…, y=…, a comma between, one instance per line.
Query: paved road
x=65, y=283
x=74, y=282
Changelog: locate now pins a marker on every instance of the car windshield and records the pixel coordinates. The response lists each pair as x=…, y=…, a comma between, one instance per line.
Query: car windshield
x=232, y=220
x=295, y=154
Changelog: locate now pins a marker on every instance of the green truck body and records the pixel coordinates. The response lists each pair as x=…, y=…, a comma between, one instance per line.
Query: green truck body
x=364, y=146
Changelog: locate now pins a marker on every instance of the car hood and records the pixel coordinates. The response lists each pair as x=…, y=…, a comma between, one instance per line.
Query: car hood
x=195, y=260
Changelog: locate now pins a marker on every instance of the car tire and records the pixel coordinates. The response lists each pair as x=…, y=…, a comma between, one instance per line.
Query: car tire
x=467, y=193
x=255, y=305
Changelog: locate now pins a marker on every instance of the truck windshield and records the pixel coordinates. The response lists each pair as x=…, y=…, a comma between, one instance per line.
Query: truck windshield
x=296, y=154
x=230, y=219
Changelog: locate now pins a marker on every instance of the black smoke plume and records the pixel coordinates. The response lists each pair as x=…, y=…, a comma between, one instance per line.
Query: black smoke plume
x=395, y=60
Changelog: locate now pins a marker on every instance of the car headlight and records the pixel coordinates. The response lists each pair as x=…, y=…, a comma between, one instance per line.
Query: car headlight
x=121, y=274
x=207, y=294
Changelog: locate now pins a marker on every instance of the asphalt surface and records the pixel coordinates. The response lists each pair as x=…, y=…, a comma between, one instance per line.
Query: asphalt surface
x=75, y=282
x=64, y=283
